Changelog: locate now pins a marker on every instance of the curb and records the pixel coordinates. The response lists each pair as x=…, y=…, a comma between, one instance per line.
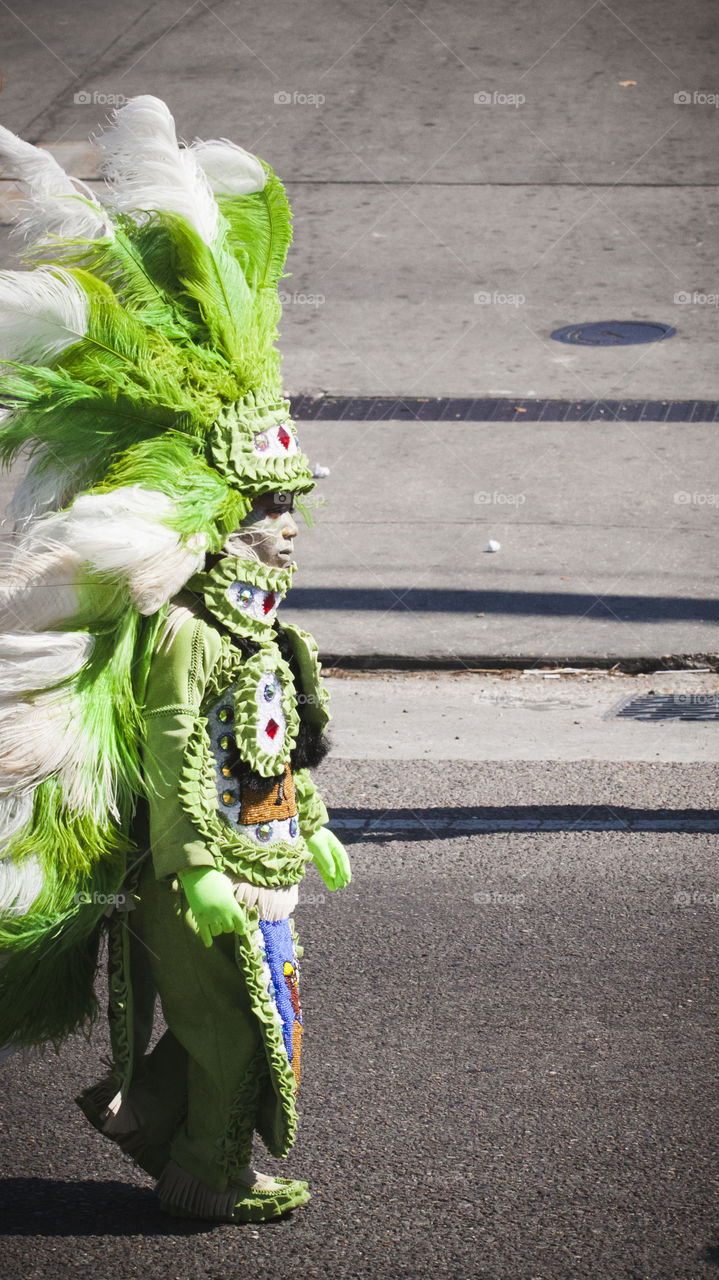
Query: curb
x=376, y=662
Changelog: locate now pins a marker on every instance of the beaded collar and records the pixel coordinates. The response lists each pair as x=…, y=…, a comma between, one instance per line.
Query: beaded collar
x=243, y=594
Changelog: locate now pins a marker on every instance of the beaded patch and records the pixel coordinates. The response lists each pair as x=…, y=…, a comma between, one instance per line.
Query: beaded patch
x=281, y=971
x=276, y=442
x=253, y=601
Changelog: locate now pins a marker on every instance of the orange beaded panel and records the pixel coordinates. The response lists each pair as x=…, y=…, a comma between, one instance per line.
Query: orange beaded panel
x=273, y=800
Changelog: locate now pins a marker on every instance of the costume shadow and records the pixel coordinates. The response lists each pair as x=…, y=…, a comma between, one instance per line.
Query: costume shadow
x=53, y=1207
x=710, y=1254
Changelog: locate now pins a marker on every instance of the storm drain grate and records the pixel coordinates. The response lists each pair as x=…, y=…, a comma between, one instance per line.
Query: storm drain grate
x=669, y=706
x=306, y=408
x=613, y=333
x=434, y=824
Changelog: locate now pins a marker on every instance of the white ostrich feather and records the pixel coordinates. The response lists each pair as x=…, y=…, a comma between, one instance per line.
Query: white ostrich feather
x=43, y=489
x=38, y=590
x=230, y=169
x=146, y=169
x=55, y=205
x=121, y=536
x=20, y=884
x=15, y=813
x=46, y=737
x=36, y=661
x=42, y=313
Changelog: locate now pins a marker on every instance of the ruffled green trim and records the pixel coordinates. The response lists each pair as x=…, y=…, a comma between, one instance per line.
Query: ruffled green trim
x=269, y=866
x=278, y=1135
x=246, y=729
x=196, y=788
x=119, y=1006
x=278, y=863
x=244, y=569
x=315, y=696
x=235, y=1146
x=230, y=446
x=311, y=810
x=214, y=584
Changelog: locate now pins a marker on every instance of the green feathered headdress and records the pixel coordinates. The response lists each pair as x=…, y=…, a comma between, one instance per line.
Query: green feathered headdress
x=140, y=349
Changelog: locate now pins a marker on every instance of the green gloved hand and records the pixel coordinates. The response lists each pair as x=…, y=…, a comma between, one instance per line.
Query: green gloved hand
x=212, y=903
x=330, y=858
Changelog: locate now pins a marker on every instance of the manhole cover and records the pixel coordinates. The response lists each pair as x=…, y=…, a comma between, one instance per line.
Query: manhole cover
x=670, y=706
x=613, y=333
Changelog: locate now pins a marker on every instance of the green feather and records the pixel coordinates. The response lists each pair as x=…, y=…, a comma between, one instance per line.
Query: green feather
x=259, y=231
x=49, y=954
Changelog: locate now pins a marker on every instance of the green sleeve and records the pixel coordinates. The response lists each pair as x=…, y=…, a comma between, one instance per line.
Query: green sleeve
x=175, y=686
x=311, y=811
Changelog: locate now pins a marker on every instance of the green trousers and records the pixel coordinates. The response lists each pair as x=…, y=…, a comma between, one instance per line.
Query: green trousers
x=205, y=1087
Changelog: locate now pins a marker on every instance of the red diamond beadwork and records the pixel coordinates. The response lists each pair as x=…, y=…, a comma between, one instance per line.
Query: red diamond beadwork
x=284, y=437
x=271, y=728
x=269, y=602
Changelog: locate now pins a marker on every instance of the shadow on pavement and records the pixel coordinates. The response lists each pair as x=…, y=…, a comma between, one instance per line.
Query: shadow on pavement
x=711, y=1254
x=52, y=1207
x=442, y=823
x=553, y=604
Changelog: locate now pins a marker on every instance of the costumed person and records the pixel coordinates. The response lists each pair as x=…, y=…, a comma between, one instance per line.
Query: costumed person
x=158, y=722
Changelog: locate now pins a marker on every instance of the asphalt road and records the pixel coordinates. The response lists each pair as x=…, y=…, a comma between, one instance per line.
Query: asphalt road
x=508, y=1072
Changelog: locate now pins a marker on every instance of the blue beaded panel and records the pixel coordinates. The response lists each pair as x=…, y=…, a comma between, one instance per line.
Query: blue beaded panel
x=283, y=986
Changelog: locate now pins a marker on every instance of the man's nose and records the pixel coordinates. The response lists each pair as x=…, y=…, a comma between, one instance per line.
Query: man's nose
x=290, y=529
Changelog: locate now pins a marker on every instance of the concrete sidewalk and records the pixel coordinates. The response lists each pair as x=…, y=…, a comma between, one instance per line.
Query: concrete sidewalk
x=605, y=533
x=514, y=716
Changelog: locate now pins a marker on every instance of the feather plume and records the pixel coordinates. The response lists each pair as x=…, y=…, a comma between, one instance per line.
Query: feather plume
x=44, y=737
x=38, y=592
x=259, y=231
x=15, y=813
x=87, y=560
x=20, y=884
x=55, y=206
x=47, y=485
x=229, y=169
x=124, y=534
x=147, y=171
x=29, y=662
x=42, y=313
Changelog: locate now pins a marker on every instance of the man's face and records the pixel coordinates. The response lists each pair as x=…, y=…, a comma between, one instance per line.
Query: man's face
x=267, y=531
